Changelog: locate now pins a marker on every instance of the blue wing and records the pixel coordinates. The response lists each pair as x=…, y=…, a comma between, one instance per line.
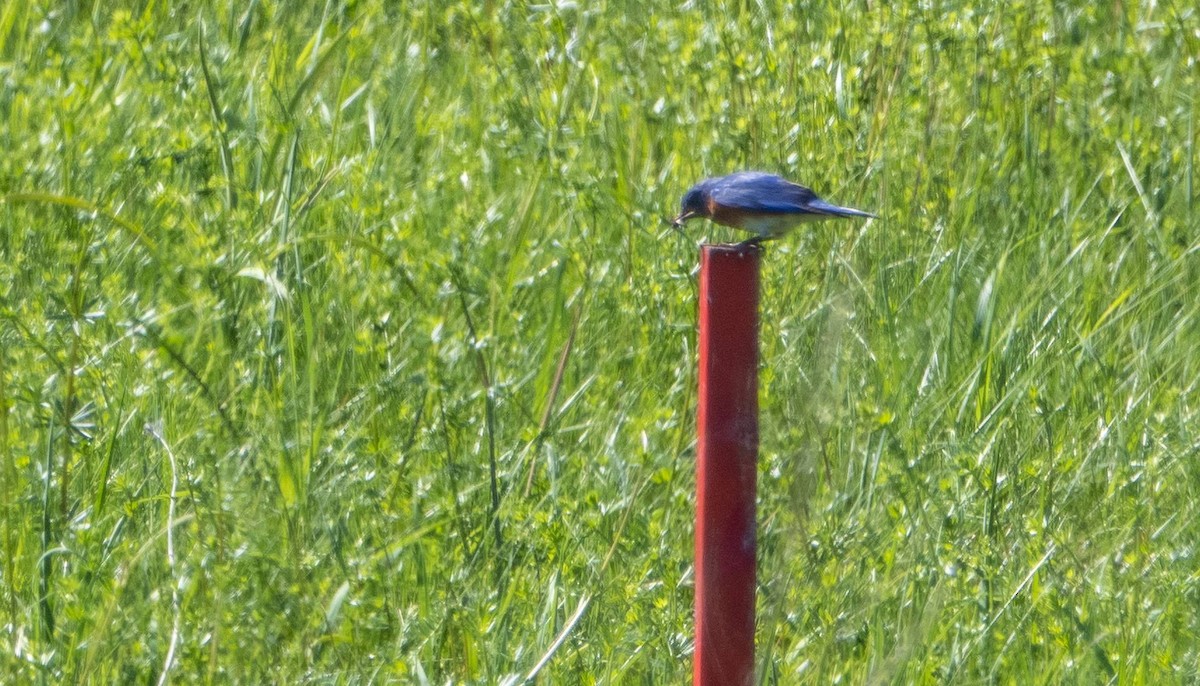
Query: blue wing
x=759, y=192
x=762, y=192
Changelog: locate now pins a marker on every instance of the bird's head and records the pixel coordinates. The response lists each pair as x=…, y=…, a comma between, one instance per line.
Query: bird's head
x=695, y=204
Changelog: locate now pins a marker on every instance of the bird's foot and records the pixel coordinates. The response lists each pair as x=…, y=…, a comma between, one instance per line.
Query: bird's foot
x=755, y=242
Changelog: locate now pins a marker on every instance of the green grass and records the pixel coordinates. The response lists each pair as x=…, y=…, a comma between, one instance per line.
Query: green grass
x=350, y=345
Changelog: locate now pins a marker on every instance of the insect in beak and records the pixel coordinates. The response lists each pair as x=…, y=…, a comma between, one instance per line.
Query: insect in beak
x=678, y=221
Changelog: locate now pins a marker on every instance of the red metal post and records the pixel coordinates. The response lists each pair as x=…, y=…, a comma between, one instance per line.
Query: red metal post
x=726, y=469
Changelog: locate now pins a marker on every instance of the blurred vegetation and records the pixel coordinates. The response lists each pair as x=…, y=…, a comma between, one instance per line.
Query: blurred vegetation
x=348, y=343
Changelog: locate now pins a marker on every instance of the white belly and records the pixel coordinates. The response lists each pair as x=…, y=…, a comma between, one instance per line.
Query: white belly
x=774, y=226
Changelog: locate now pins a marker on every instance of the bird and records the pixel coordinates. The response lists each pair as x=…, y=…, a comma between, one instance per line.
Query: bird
x=764, y=204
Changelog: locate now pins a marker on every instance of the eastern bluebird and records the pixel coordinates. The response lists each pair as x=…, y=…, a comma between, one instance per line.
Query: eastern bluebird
x=762, y=203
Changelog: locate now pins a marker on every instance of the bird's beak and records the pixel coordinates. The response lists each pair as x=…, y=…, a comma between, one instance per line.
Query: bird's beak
x=678, y=221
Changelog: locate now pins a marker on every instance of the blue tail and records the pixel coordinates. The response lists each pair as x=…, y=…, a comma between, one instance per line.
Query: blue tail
x=827, y=208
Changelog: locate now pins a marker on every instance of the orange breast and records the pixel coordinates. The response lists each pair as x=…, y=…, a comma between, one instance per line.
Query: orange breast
x=726, y=216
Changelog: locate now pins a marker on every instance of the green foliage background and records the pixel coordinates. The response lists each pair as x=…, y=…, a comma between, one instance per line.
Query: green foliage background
x=346, y=343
